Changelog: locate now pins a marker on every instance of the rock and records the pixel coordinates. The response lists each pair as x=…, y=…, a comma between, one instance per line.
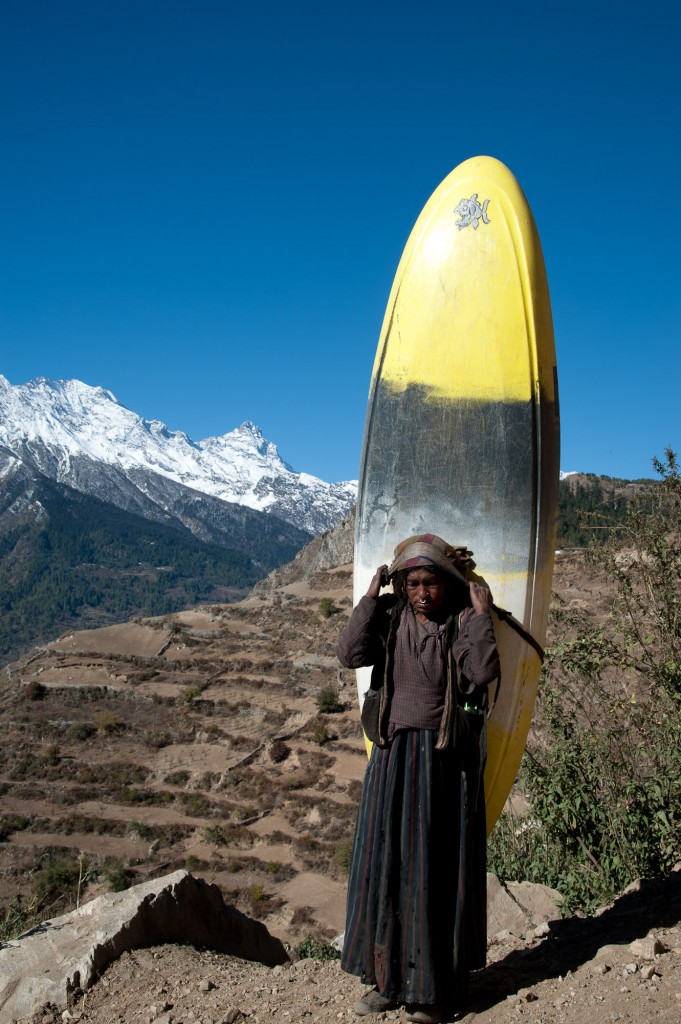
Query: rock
x=519, y=907
x=58, y=956
x=646, y=949
x=206, y=985
x=232, y=1016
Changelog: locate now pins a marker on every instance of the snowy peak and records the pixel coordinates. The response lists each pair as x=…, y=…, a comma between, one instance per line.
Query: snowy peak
x=56, y=425
x=247, y=439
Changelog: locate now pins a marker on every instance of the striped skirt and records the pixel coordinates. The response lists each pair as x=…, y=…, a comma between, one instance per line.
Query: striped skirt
x=416, y=914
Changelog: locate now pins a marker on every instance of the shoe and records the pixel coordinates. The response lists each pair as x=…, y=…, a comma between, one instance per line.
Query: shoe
x=374, y=1002
x=426, y=1014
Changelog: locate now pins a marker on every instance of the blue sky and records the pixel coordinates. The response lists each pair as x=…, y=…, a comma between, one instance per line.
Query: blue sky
x=203, y=203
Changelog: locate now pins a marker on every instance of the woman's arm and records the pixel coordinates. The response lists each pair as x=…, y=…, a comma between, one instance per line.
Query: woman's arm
x=475, y=649
x=360, y=643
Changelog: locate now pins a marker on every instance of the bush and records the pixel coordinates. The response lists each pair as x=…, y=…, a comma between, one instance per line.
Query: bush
x=256, y=895
x=17, y=918
x=81, y=731
x=116, y=874
x=320, y=734
x=51, y=757
x=605, y=787
x=10, y=823
x=327, y=700
x=327, y=607
x=34, y=691
x=279, y=751
x=342, y=853
x=108, y=723
x=315, y=950
x=197, y=805
x=139, y=828
x=56, y=882
x=218, y=835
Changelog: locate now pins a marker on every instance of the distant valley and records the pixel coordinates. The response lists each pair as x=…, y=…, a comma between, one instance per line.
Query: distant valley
x=105, y=516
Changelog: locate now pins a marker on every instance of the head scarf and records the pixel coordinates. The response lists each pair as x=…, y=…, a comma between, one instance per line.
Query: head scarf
x=427, y=549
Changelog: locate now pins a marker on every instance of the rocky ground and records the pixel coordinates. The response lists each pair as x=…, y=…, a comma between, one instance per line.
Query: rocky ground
x=623, y=964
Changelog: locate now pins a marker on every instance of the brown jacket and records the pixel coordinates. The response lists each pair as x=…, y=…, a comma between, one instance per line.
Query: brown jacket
x=472, y=657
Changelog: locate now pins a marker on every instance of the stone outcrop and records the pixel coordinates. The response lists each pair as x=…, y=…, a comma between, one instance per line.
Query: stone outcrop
x=518, y=908
x=50, y=963
x=328, y=551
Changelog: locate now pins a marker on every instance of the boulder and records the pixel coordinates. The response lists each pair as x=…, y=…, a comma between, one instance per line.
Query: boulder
x=519, y=907
x=51, y=961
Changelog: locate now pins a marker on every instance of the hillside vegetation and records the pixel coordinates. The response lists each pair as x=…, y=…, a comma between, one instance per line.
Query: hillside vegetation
x=86, y=563
x=603, y=777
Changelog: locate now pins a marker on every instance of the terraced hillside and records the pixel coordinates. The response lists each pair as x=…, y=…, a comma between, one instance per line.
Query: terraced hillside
x=196, y=740
x=191, y=740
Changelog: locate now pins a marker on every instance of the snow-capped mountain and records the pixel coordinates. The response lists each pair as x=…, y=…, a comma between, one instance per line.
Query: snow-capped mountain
x=82, y=436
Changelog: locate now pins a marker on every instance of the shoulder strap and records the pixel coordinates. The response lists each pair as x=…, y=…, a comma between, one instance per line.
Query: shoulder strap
x=506, y=617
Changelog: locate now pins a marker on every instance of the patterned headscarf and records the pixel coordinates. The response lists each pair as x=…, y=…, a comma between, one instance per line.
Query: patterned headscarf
x=427, y=549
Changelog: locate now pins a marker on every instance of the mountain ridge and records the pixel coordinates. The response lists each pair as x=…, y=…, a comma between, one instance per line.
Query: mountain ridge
x=81, y=435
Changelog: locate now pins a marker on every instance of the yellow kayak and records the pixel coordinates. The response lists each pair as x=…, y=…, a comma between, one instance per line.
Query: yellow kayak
x=462, y=433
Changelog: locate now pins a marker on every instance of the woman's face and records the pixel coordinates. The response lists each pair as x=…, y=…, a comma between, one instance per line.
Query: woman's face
x=426, y=591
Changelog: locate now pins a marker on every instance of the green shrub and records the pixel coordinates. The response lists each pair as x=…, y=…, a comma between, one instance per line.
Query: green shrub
x=139, y=828
x=313, y=949
x=178, y=778
x=218, y=835
x=327, y=700
x=320, y=734
x=327, y=607
x=56, y=882
x=279, y=751
x=342, y=852
x=605, y=786
x=10, y=823
x=81, y=731
x=256, y=894
x=108, y=723
x=18, y=917
x=195, y=863
x=116, y=874
x=196, y=804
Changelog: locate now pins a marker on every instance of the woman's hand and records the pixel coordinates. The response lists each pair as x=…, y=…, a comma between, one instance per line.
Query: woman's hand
x=481, y=598
x=376, y=583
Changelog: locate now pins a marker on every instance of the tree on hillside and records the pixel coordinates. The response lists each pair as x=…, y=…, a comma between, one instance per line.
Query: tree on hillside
x=605, y=781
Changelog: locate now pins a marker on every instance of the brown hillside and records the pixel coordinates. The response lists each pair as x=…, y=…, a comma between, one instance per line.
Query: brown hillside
x=195, y=741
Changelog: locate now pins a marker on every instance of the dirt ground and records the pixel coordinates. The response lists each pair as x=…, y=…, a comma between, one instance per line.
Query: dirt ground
x=599, y=969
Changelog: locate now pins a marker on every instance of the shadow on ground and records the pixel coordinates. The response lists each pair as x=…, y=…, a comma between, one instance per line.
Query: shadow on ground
x=655, y=903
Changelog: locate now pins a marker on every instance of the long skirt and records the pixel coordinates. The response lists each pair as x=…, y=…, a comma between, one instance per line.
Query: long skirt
x=416, y=915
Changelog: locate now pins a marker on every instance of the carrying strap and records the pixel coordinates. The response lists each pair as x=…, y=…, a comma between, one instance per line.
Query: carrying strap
x=506, y=617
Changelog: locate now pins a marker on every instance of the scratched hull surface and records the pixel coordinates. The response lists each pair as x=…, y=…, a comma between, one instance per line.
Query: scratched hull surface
x=461, y=436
